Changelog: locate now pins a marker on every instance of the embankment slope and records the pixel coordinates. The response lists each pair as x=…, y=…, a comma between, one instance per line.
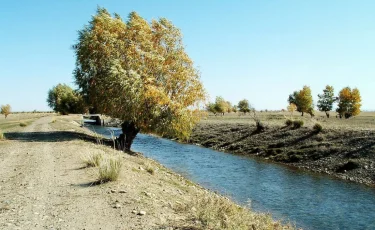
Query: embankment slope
x=345, y=153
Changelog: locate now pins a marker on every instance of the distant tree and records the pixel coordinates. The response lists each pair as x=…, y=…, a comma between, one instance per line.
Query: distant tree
x=303, y=100
x=293, y=99
x=234, y=108
x=6, y=110
x=65, y=100
x=140, y=73
x=291, y=108
x=244, y=106
x=221, y=105
x=349, y=102
x=211, y=107
x=326, y=100
x=228, y=107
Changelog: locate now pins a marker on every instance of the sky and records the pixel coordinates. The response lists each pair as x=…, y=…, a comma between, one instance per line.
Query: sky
x=256, y=50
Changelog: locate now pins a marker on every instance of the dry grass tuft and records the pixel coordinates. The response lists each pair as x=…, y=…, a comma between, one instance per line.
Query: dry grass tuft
x=215, y=212
x=2, y=137
x=109, y=169
x=23, y=124
x=92, y=159
x=150, y=170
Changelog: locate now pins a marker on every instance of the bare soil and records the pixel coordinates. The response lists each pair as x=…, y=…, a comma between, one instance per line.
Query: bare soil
x=44, y=185
x=345, y=152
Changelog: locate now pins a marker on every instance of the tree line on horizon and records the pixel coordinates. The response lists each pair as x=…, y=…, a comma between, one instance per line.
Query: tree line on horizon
x=348, y=103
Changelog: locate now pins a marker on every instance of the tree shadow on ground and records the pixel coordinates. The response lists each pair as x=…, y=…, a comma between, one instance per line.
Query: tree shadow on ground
x=60, y=136
x=297, y=140
x=55, y=136
x=88, y=184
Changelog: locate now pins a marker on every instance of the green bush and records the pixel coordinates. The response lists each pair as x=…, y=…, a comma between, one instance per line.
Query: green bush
x=288, y=122
x=297, y=124
x=318, y=127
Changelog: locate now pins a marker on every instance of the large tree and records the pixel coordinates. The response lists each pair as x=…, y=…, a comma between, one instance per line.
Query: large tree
x=326, y=100
x=6, y=110
x=63, y=99
x=140, y=73
x=349, y=102
x=303, y=100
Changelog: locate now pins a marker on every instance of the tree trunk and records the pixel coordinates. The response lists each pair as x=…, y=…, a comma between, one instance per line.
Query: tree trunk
x=327, y=113
x=129, y=132
x=302, y=114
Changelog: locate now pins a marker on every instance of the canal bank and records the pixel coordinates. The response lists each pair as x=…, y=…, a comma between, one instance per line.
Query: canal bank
x=344, y=153
x=313, y=201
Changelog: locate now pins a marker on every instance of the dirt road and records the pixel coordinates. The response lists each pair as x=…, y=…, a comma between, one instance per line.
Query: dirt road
x=44, y=186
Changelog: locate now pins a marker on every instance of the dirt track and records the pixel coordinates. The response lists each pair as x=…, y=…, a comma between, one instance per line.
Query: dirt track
x=44, y=185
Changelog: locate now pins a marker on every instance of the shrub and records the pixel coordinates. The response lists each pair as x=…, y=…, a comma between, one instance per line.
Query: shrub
x=109, y=170
x=214, y=212
x=288, y=122
x=22, y=124
x=318, y=127
x=92, y=160
x=260, y=126
x=297, y=124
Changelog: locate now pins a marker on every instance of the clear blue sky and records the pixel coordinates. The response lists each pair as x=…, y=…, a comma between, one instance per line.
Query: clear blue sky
x=259, y=50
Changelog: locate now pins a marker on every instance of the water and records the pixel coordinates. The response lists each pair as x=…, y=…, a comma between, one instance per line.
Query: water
x=311, y=201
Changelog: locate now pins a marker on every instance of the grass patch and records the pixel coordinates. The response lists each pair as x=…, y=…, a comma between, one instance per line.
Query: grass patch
x=109, y=170
x=92, y=159
x=23, y=124
x=215, y=212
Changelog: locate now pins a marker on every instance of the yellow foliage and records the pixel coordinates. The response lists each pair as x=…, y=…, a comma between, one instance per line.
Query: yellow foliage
x=6, y=109
x=349, y=102
x=139, y=71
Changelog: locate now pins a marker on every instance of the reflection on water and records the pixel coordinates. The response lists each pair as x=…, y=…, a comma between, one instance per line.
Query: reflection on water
x=312, y=201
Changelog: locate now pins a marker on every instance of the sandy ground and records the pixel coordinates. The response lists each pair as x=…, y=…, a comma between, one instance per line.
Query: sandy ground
x=44, y=185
